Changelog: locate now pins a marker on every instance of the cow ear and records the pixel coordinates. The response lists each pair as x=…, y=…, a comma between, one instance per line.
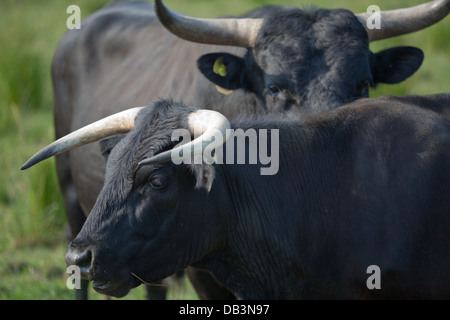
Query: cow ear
x=204, y=175
x=107, y=144
x=396, y=64
x=223, y=69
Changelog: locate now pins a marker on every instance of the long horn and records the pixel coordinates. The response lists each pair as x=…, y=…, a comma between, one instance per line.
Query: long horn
x=231, y=32
x=121, y=122
x=204, y=122
x=402, y=21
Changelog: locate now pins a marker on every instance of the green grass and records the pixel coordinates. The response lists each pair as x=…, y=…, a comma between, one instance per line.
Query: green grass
x=39, y=273
x=32, y=242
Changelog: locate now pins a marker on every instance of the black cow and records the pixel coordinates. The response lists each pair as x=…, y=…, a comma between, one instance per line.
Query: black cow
x=310, y=59
x=124, y=56
x=360, y=188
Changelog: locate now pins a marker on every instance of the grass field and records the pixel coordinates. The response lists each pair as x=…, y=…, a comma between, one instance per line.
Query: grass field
x=32, y=242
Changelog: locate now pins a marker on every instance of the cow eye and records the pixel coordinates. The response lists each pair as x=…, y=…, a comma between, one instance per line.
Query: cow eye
x=156, y=182
x=366, y=84
x=274, y=90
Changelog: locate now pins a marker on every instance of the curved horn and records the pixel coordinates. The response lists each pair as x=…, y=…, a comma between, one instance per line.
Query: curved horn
x=121, y=122
x=406, y=20
x=232, y=32
x=205, y=122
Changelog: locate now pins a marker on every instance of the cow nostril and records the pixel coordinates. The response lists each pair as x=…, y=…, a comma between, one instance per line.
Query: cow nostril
x=85, y=260
x=80, y=258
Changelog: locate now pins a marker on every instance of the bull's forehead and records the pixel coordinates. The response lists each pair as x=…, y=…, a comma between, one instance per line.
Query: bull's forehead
x=303, y=38
x=151, y=134
x=297, y=34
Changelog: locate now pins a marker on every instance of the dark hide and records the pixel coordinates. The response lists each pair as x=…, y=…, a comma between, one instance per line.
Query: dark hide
x=366, y=184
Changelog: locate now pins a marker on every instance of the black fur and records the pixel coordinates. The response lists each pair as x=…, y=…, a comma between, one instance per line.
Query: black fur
x=365, y=184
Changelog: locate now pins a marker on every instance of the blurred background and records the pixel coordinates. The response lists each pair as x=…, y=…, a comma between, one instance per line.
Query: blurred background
x=32, y=219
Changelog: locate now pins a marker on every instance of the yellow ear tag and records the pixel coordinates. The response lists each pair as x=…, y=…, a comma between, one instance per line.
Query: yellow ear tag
x=219, y=68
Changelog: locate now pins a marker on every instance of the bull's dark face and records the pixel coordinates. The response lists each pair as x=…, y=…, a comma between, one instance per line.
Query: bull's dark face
x=310, y=61
x=138, y=228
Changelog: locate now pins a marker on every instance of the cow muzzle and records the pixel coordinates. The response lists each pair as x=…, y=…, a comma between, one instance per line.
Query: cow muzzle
x=103, y=281
x=81, y=257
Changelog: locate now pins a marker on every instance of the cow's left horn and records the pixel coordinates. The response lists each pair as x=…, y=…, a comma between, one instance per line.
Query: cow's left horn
x=121, y=122
x=226, y=31
x=406, y=20
x=204, y=122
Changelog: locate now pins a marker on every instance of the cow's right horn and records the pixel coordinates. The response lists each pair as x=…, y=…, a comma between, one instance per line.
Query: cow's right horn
x=121, y=122
x=225, y=31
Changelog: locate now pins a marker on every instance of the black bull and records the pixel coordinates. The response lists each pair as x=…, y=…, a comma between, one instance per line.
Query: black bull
x=123, y=56
x=361, y=188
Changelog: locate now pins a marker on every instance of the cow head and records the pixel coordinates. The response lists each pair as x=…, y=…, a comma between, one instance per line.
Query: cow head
x=310, y=60
x=148, y=205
